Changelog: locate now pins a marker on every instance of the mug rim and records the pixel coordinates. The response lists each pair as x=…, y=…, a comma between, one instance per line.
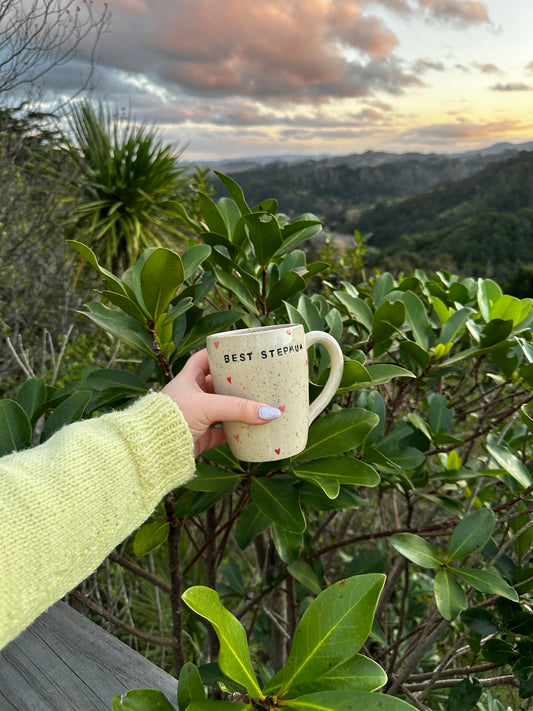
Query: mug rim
x=255, y=329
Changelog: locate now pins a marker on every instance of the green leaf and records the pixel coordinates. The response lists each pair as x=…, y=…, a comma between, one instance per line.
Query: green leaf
x=250, y=524
x=161, y=276
x=124, y=327
x=193, y=257
x=331, y=472
x=150, y=536
x=288, y=545
x=236, y=192
x=356, y=308
x=126, y=304
x=439, y=415
x=338, y=432
x=454, y=326
x=387, y=319
x=15, y=427
x=31, y=396
x=358, y=674
x=141, y=700
x=211, y=215
x=234, y=658
x=239, y=288
x=213, y=478
x=104, y=378
x=218, y=321
x=509, y=462
x=304, y=574
x=480, y=621
x=488, y=293
x=264, y=234
x=219, y=706
x=471, y=533
x=289, y=285
x=334, y=626
x=449, y=595
x=297, y=232
x=112, y=281
x=279, y=502
x=383, y=372
x=346, y=700
x=487, y=582
x=415, y=549
x=70, y=410
x=190, y=686
x=465, y=695
x=507, y=308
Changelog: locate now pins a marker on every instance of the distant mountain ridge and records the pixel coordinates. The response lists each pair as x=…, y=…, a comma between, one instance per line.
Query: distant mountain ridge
x=469, y=213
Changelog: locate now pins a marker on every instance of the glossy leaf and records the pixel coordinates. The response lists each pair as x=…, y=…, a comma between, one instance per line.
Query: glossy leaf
x=449, y=595
x=488, y=293
x=265, y=235
x=356, y=308
x=235, y=190
x=304, y=574
x=70, y=410
x=387, y=319
x=31, y=396
x=331, y=472
x=279, y=502
x=289, y=285
x=382, y=373
x=471, y=533
x=124, y=327
x=345, y=700
x=213, y=478
x=15, y=427
x=415, y=549
x=338, y=432
x=141, y=700
x=114, y=378
x=193, y=257
x=190, y=686
x=218, y=321
x=465, y=695
x=234, y=658
x=509, y=462
x=334, y=626
x=487, y=582
x=250, y=524
x=150, y=536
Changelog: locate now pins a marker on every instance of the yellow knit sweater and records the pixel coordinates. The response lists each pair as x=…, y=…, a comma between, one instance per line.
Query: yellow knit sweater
x=65, y=504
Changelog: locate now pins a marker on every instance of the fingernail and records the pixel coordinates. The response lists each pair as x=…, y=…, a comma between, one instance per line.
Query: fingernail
x=266, y=412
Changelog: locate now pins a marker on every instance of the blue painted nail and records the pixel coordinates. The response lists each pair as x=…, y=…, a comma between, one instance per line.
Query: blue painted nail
x=268, y=413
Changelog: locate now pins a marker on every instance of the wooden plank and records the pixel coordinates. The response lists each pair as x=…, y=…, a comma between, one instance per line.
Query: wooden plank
x=65, y=662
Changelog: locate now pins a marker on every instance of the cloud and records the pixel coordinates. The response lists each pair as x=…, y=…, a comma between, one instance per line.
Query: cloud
x=488, y=68
x=464, y=132
x=512, y=86
x=458, y=12
x=425, y=65
x=287, y=48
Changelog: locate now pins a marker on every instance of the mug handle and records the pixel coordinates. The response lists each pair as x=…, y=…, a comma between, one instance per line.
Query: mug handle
x=335, y=375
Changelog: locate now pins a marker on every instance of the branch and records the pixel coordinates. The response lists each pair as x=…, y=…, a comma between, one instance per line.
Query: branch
x=90, y=605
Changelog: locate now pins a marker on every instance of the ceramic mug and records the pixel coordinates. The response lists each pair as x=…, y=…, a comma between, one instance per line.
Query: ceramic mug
x=269, y=364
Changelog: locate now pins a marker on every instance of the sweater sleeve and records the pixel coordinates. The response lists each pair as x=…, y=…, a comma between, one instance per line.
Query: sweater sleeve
x=65, y=504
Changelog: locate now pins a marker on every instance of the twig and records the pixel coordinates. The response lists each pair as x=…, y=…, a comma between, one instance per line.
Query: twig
x=153, y=639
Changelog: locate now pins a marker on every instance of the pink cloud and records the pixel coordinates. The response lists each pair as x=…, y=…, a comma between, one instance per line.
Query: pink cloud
x=457, y=11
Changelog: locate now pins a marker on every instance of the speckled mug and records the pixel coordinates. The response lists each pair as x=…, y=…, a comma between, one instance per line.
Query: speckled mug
x=270, y=364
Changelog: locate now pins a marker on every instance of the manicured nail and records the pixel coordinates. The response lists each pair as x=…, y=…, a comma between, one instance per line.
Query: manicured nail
x=266, y=412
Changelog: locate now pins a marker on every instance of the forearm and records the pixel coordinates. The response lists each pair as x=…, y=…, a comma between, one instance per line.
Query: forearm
x=67, y=503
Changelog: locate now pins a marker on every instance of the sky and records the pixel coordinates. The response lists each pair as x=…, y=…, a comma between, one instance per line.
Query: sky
x=228, y=79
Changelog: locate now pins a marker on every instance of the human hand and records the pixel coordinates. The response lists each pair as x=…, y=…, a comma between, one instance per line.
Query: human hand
x=192, y=391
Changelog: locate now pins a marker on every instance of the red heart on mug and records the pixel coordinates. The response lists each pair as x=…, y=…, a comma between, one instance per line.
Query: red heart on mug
x=229, y=379
x=288, y=332
x=217, y=343
x=282, y=408
x=237, y=437
x=277, y=451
